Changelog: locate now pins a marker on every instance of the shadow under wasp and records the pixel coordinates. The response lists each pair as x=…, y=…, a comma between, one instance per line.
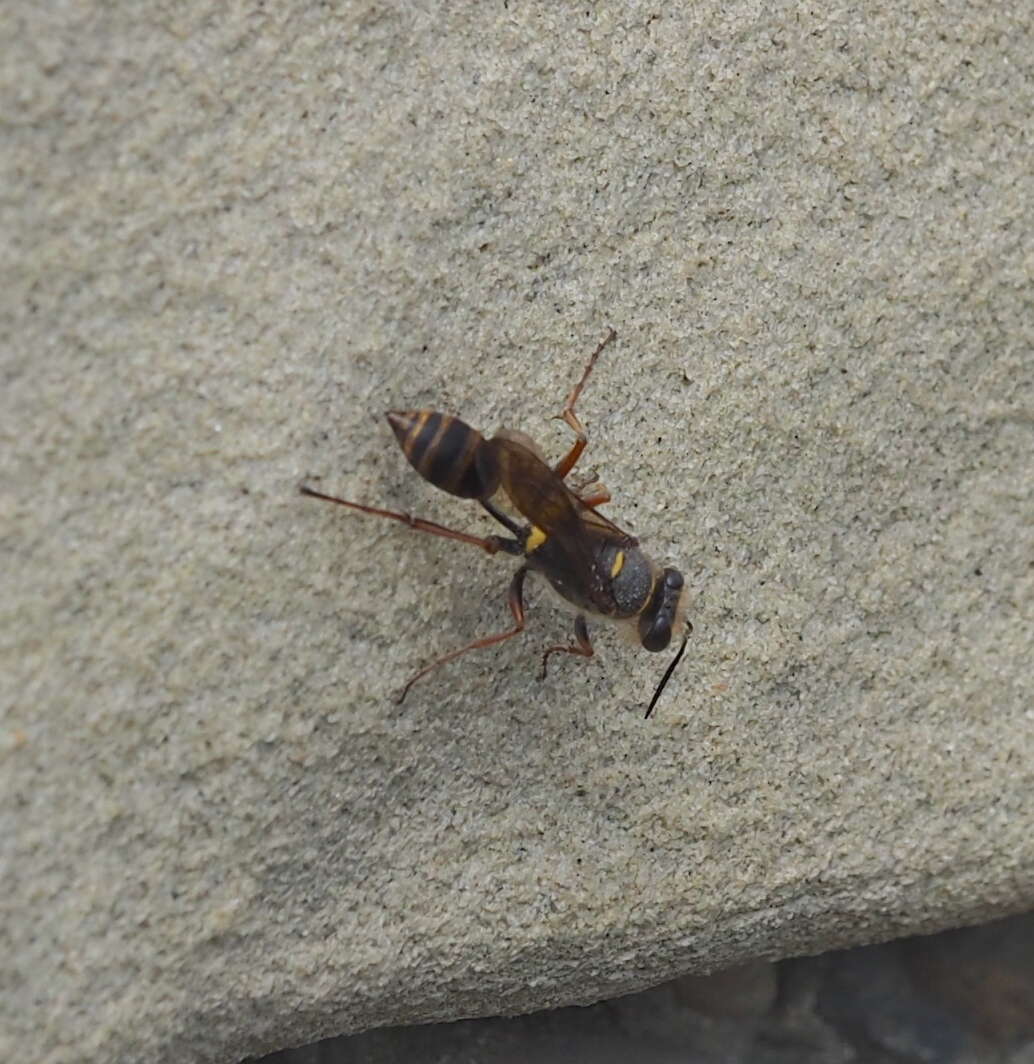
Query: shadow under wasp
x=588, y=560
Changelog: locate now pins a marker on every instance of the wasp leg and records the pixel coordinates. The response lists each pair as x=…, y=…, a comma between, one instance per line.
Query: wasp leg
x=592, y=501
x=567, y=463
x=589, y=489
x=504, y=519
x=583, y=649
x=491, y=544
x=515, y=599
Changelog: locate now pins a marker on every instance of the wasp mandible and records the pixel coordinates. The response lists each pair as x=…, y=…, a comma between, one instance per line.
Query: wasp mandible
x=588, y=560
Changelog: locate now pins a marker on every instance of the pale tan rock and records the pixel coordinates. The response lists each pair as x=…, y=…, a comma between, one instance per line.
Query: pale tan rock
x=233, y=237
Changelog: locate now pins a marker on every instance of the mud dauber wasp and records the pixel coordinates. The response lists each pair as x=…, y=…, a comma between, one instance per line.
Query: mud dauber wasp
x=589, y=561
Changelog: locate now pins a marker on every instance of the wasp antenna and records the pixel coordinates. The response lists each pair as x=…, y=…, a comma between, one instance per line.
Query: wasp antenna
x=667, y=672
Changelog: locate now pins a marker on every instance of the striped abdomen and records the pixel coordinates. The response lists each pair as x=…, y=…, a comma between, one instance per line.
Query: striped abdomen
x=445, y=451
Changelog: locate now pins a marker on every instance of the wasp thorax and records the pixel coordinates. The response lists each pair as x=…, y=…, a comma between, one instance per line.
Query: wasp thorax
x=632, y=577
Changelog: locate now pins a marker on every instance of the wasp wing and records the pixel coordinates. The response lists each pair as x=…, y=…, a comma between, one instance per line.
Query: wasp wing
x=574, y=532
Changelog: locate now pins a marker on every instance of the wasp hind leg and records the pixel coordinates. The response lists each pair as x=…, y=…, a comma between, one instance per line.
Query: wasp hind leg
x=582, y=647
x=515, y=600
x=568, y=462
x=489, y=544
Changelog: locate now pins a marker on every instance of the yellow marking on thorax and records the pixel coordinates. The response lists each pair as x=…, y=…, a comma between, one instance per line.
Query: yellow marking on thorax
x=536, y=537
x=619, y=564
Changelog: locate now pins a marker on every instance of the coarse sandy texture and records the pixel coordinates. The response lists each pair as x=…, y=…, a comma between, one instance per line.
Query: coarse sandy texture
x=236, y=234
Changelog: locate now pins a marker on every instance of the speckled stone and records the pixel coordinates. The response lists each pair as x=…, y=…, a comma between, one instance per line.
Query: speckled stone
x=233, y=237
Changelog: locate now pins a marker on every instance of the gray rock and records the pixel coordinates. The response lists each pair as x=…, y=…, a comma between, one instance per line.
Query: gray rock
x=234, y=237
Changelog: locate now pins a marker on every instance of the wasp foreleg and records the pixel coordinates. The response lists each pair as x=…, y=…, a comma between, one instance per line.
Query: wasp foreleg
x=567, y=463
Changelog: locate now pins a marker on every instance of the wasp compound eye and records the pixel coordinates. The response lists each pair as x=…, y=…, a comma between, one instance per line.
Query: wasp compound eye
x=657, y=619
x=656, y=635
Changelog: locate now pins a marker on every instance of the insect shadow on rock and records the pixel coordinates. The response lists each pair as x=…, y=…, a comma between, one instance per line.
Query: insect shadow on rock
x=588, y=560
